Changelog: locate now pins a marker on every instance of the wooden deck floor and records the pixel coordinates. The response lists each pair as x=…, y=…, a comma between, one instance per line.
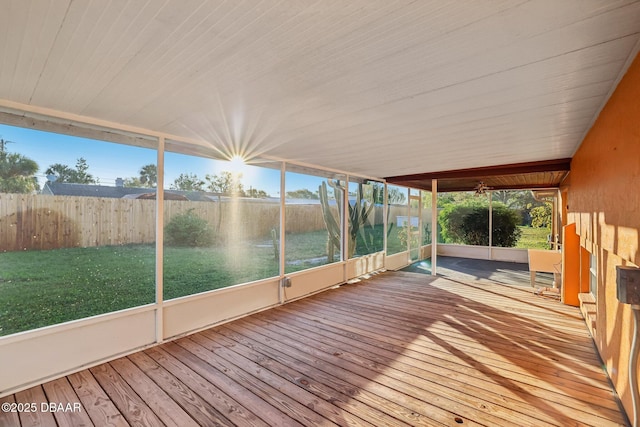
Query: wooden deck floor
x=398, y=349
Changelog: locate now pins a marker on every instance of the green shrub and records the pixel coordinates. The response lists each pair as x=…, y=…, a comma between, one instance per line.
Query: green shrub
x=505, y=226
x=188, y=229
x=468, y=224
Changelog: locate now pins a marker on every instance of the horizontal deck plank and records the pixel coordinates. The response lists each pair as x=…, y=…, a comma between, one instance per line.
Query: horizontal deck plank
x=437, y=407
x=290, y=388
x=201, y=411
x=479, y=391
x=95, y=401
x=168, y=410
x=212, y=395
x=237, y=390
x=266, y=392
x=37, y=418
x=9, y=416
x=501, y=348
x=315, y=369
x=72, y=414
x=341, y=397
x=410, y=320
x=132, y=407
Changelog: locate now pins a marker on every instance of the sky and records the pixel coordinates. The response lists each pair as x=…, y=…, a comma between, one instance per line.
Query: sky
x=108, y=161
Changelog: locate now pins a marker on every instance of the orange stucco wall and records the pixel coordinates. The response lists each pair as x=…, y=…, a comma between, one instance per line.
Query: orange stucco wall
x=603, y=200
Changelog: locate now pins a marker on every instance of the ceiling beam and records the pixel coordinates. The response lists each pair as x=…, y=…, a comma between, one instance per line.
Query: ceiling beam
x=511, y=169
x=453, y=189
x=517, y=176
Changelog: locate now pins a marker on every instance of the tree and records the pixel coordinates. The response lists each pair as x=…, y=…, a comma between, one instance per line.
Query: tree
x=519, y=199
x=188, y=182
x=63, y=173
x=523, y=201
x=17, y=173
x=256, y=194
x=302, y=194
x=133, y=182
x=226, y=183
x=3, y=145
x=458, y=197
x=149, y=175
x=79, y=175
x=541, y=216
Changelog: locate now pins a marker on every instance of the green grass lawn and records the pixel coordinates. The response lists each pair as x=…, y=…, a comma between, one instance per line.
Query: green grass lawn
x=533, y=238
x=40, y=288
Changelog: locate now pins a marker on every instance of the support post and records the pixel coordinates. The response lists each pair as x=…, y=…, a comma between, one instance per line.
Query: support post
x=344, y=224
x=385, y=219
x=490, y=225
x=434, y=225
x=408, y=226
x=281, y=246
x=160, y=242
x=554, y=224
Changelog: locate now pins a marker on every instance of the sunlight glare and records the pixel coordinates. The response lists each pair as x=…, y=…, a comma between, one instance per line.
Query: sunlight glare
x=236, y=163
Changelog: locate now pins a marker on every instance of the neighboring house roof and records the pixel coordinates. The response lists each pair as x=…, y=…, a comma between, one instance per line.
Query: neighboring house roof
x=151, y=195
x=228, y=199
x=90, y=190
x=118, y=192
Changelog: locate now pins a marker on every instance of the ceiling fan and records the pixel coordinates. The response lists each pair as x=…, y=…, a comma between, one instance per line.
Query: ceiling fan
x=482, y=188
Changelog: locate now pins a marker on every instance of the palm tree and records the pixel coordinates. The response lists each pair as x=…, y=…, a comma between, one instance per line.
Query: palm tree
x=17, y=173
x=3, y=145
x=63, y=173
x=149, y=175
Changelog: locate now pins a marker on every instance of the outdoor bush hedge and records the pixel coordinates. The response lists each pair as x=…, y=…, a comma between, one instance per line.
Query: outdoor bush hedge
x=188, y=229
x=469, y=224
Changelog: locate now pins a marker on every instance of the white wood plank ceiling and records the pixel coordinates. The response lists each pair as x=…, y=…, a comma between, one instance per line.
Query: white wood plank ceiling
x=373, y=87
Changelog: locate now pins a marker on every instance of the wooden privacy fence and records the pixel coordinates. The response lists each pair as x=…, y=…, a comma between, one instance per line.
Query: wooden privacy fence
x=29, y=221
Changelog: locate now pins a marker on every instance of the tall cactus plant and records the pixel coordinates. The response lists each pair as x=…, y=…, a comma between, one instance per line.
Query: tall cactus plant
x=330, y=221
x=357, y=218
